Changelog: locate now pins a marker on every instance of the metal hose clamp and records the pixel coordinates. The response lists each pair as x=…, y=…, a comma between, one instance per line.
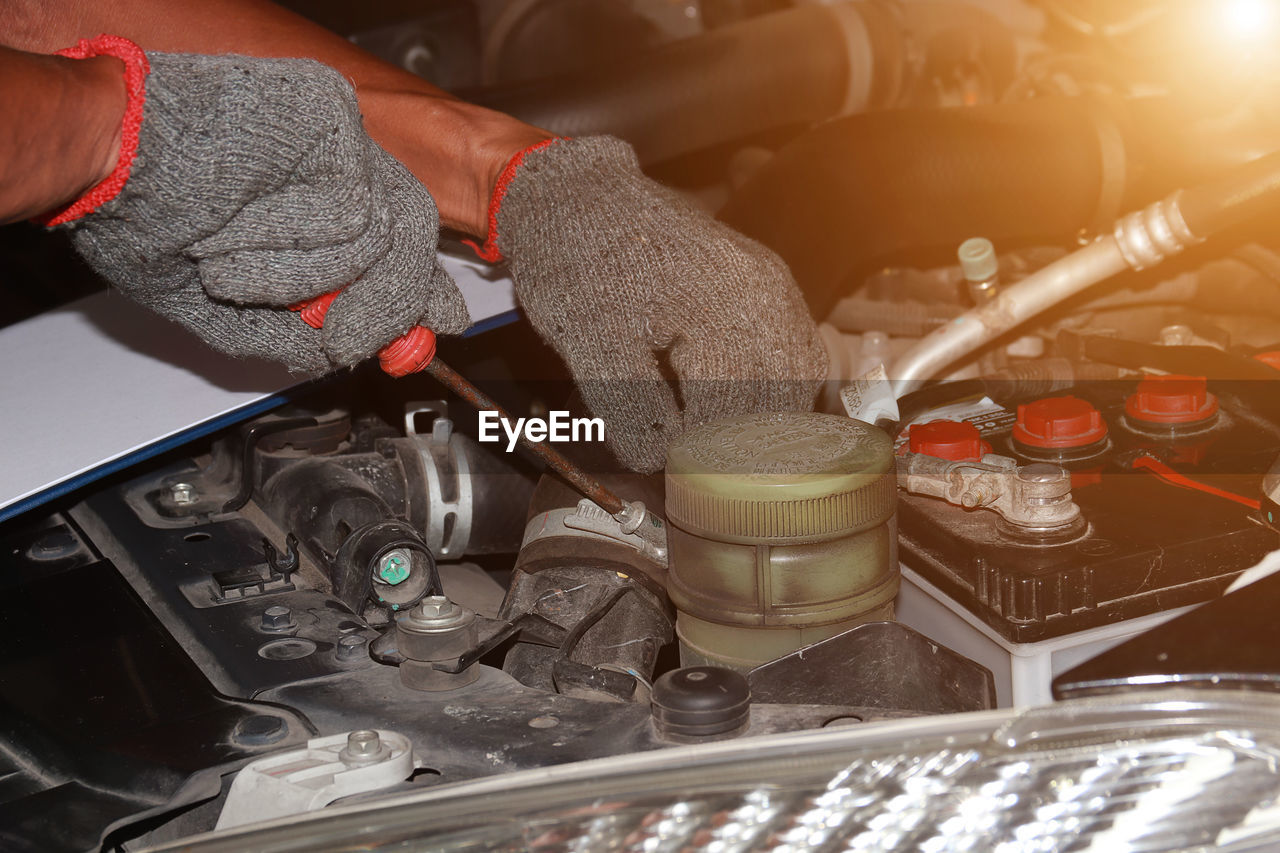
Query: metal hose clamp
x=1148, y=236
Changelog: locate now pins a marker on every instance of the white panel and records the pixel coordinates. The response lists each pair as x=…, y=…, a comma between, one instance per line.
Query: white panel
x=103, y=379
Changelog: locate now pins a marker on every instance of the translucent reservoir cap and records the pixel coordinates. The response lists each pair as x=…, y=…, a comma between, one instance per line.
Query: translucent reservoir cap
x=780, y=476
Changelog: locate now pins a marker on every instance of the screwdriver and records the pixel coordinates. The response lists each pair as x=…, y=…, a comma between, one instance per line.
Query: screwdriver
x=415, y=351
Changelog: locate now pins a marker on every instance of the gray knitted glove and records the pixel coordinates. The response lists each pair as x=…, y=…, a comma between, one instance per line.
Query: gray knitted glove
x=255, y=187
x=613, y=269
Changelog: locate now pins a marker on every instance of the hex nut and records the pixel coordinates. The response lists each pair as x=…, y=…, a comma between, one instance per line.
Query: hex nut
x=353, y=647
x=277, y=618
x=394, y=567
x=183, y=493
x=364, y=746
x=364, y=743
x=434, y=608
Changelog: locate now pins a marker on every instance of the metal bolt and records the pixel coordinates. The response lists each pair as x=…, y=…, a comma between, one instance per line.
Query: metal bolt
x=393, y=568
x=183, y=493
x=1177, y=335
x=1040, y=472
x=419, y=59
x=364, y=743
x=363, y=747
x=631, y=516
x=352, y=647
x=277, y=618
x=434, y=608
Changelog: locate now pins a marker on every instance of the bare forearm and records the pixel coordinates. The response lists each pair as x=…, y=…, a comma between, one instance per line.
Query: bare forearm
x=456, y=149
x=60, y=131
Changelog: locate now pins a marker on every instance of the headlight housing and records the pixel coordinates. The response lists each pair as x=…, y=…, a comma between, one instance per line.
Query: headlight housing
x=1172, y=770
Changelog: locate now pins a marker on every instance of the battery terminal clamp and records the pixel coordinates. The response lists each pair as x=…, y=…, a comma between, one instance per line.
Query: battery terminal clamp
x=1032, y=499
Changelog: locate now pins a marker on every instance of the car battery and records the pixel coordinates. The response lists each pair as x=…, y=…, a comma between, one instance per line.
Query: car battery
x=1167, y=474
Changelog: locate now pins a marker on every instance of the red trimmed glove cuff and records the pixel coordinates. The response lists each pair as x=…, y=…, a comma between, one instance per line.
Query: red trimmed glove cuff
x=490, y=251
x=136, y=69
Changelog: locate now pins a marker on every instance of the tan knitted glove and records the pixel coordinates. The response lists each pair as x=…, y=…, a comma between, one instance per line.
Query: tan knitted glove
x=250, y=185
x=616, y=271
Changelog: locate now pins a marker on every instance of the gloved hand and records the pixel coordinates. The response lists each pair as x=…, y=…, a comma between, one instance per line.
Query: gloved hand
x=613, y=270
x=252, y=186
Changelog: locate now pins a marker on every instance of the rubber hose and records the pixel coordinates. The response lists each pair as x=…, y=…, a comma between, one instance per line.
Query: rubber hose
x=784, y=69
x=1245, y=193
x=862, y=190
x=1243, y=283
x=1188, y=360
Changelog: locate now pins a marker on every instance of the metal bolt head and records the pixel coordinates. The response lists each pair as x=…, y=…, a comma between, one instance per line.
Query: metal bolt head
x=394, y=566
x=437, y=629
x=631, y=516
x=364, y=743
x=352, y=647
x=277, y=618
x=364, y=747
x=1041, y=472
x=434, y=608
x=1177, y=335
x=183, y=493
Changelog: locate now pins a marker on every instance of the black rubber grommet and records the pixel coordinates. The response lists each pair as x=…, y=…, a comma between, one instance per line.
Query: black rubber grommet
x=700, y=703
x=260, y=730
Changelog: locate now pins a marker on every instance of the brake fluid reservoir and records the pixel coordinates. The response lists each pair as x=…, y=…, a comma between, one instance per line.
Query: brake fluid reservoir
x=782, y=533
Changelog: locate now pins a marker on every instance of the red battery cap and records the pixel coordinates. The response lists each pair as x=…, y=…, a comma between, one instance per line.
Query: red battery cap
x=1171, y=399
x=957, y=441
x=1059, y=422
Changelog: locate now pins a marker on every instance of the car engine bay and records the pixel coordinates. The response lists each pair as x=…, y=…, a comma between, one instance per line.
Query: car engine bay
x=1049, y=434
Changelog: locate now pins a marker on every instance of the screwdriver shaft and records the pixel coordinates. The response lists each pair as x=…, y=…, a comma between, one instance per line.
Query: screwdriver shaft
x=579, y=479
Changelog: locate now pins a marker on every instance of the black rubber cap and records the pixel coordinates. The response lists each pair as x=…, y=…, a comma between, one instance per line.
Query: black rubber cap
x=700, y=703
x=260, y=730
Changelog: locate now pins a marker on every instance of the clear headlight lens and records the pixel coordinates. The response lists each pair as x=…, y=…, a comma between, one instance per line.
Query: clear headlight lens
x=1167, y=771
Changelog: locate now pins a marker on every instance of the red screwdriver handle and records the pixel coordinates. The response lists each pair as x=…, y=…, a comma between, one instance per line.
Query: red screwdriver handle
x=407, y=354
